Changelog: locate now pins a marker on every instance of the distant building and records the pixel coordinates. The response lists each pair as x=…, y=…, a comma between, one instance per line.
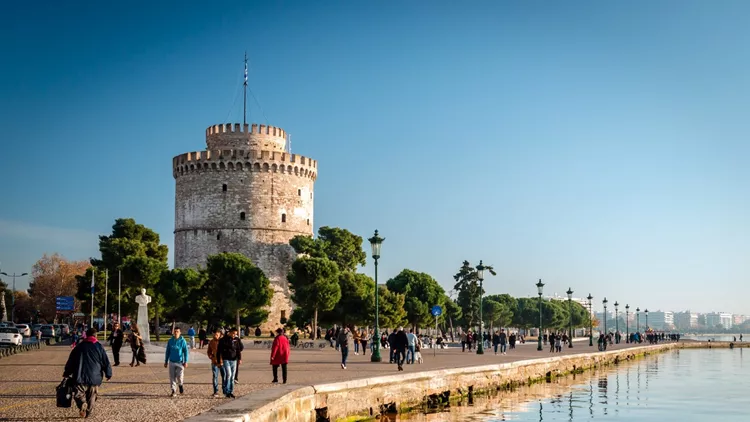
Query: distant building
x=715, y=319
x=686, y=320
x=661, y=320
x=739, y=319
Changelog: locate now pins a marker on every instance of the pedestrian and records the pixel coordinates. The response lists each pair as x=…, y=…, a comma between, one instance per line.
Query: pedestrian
x=391, y=341
x=191, y=335
x=355, y=337
x=216, y=363
x=230, y=352
x=343, y=343
x=411, y=346
x=115, y=341
x=136, y=346
x=176, y=359
x=279, y=355
x=87, y=364
x=401, y=342
x=202, y=337
x=503, y=339
x=363, y=341
x=496, y=340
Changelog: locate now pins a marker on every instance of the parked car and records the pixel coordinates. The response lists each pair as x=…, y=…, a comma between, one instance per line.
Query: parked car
x=35, y=329
x=24, y=330
x=10, y=336
x=48, y=331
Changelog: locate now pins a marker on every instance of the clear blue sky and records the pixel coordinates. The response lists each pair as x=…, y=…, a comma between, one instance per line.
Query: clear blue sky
x=594, y=145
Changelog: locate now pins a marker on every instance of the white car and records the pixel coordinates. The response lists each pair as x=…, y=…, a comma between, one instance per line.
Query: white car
x=24, y=329
x=10, y=336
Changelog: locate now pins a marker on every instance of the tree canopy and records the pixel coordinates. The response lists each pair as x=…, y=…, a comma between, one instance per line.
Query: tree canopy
x=315, y=285
x=337, y=244
x=52, y=276
x=421, y=292
x=234, y=288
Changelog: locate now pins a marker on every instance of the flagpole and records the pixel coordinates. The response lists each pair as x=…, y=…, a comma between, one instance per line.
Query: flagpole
x=93, y=270
x=119, y=297
x=106, y=292
x=244, y=101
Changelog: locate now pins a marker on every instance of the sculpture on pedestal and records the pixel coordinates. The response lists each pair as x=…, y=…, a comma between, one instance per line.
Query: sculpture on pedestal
x=143, y=300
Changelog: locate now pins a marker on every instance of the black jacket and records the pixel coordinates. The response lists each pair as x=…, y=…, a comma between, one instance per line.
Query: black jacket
x=93, y=363
x=401, y=341
x=116, y=338
x=230, y=348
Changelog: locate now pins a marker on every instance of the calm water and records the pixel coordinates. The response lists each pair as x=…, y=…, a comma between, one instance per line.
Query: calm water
x=686, y=385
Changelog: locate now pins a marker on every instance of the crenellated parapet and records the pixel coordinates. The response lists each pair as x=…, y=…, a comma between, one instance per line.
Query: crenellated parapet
x=244, y=160
x=245, y=136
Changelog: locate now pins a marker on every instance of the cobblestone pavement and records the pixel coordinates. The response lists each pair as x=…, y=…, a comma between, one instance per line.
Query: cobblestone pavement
x=28, y=380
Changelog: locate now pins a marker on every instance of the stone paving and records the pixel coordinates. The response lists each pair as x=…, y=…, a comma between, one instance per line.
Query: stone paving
x=28, y=380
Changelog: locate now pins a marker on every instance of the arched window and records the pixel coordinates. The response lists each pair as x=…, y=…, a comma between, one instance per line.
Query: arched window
x=299, y=192
x=224, y=187
x=242, y=215
x=283, y=218
x=218, y=236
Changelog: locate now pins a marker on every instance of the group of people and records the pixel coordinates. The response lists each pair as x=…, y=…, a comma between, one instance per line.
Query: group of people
x=500, y=340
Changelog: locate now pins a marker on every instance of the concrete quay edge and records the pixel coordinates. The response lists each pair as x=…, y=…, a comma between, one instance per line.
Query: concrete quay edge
x=369, y=396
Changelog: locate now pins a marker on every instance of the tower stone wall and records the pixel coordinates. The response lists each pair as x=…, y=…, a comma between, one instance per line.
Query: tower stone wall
x=244, y=194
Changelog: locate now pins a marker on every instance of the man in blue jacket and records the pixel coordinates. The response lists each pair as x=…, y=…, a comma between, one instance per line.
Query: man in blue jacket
x=176, y=358
x=87, y=365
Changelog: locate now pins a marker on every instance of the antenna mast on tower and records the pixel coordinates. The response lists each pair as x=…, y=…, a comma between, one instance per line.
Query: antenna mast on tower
x=244, y=101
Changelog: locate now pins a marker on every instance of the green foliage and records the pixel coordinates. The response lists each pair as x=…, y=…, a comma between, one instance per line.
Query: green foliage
x=451, y=310
x=495, y=312
x=421, y=293
x=235, y=285
x=181, y=295
x=315, y=285
x=338, y=245
x=467, y=285
x=392, y=312
x=357, y=303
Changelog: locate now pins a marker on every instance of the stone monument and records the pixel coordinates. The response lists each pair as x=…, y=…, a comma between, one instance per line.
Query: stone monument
x=3, y=314
x=142, y=322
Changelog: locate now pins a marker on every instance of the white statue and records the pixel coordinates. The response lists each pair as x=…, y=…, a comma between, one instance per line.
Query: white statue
x=3, y=314
x=143, y=300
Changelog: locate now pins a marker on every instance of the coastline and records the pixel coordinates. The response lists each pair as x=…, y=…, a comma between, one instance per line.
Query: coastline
x=365, y=398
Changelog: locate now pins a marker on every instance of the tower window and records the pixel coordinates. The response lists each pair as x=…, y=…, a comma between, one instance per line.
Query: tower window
x=224, y=187
x=218, y=236
x=310, y=195
x=299, y=192
x=283, y=218
x=242, y=216
x=308, y=221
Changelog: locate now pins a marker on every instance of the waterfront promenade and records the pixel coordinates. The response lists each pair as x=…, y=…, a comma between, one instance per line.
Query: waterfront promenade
x=28, y=380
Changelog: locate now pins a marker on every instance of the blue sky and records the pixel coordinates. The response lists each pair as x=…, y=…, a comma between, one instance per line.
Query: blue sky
x=594, y=145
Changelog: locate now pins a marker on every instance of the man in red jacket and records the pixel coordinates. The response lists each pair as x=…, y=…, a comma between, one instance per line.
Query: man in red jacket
x=279, y=355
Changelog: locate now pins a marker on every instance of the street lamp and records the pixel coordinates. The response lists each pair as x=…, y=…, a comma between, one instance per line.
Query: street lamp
x=591, y=322
x=645, y=311
x=617, y=325
x=638, y=320
x=540, y=288
x=480, y=277
x=376, y=241
x=13, y=297
x=627, y=327
x=570, y=311
x=604, y=302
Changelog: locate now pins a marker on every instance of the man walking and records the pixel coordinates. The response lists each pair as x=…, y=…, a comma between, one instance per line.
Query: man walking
x=279, y=355
x=411, y=345
x=230, y=353
x=115, y=341
x=400, y=343
x=503, y=341
x=344, y=341
x=87, y=364
x=191, y=334
x=176, y=359
x=216, y=363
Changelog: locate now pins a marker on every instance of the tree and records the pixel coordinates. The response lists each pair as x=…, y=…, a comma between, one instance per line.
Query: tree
x=24, y=310
x=53, y=276
x=392, y=313
x=338, y=245
x=421, y=293
x=451, y=312
x=181, y=294
x=235, y=287
x=496, y=313
x=467, y=285
x=357, y=301
x=315, y=286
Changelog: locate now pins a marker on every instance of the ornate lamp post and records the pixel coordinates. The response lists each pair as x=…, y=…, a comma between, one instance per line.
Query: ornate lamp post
x=645, y=311
x=627, y=326
x=480, y=275
x=617, y=325
x=570, y=311
x=591, y=322
x=13, y=296
x=376, y=241
x=638, y=320
x=604, y=302
x=540, y=287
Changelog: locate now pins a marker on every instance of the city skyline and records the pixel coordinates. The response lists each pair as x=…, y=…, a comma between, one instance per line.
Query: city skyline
x=590, y=145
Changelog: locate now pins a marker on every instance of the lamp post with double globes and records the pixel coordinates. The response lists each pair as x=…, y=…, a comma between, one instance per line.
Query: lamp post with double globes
x=540, y=288
x=376, y=242
x=570, y=311
x=645, y=311
x=480, y=277
x=604, y=317
x=591, y=322
x=627, y=324
x=617, y=325
x=638, y=319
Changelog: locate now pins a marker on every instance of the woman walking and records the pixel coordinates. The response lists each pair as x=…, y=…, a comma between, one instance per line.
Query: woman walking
x=136, y=346
x=279, y=355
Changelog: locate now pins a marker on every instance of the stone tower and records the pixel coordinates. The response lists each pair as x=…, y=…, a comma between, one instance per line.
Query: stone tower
x=244, y=194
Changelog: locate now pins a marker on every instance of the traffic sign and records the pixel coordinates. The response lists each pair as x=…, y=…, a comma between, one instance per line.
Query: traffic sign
x=437, y=311
x=64, y=303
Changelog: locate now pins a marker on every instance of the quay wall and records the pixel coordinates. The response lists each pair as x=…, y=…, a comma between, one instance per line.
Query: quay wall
x=370, y=397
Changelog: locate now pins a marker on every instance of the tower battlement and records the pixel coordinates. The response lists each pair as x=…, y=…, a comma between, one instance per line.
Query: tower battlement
x=245, y=160
x=246, y=136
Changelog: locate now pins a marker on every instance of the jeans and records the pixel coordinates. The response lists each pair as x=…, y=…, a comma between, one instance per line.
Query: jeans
x=344, y=354
x=218, y=371
x=176, y=375
x=116, y=353
x=400, y=356
x=503, y=347
x=192, y=342
x=410, y=354
x=496, y=349
x=229, y=367
x=356, y=346
x=393, y=355
x=276, y=373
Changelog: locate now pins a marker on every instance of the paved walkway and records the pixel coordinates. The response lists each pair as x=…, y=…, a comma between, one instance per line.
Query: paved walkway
x=28, y=380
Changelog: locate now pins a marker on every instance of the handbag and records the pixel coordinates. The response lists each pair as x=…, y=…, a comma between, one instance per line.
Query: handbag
x=64, y=393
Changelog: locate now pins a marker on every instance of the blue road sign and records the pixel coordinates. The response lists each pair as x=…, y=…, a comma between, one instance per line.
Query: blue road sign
x=64, y=303
x=437, y=311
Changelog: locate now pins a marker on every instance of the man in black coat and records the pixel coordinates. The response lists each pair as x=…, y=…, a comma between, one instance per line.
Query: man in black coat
x=115, y=340
x=87, y=365
x=400, y=343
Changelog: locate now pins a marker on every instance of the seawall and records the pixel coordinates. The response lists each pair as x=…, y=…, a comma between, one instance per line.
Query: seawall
x=369, y=397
